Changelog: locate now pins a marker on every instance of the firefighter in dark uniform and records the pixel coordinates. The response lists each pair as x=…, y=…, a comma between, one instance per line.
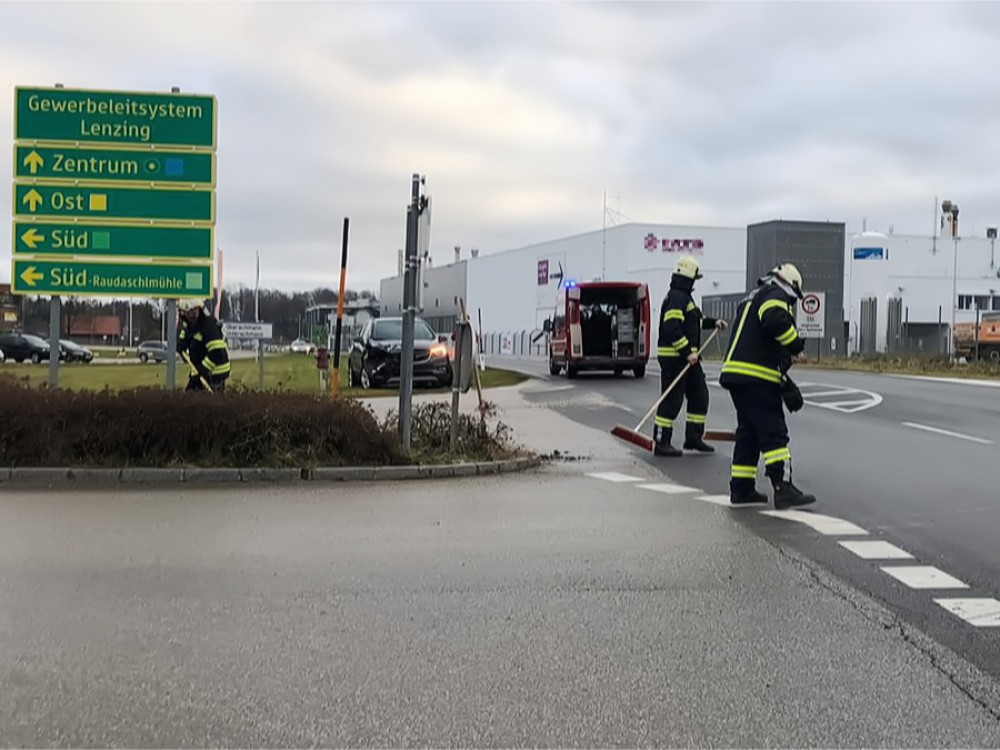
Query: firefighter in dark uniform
x=678, y=344
x=755, y=372
x=199, y=337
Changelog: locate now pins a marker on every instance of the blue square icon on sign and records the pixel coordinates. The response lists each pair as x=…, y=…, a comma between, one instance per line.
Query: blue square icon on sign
x=173, y=167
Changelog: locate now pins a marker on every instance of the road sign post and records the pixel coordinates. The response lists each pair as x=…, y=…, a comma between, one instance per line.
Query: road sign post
x=114, y=117
x=812, y=318
x=811, y=321
x=90, y=239
x=110, y=279
x=114, y=196
x=70, y=164
x=113, y=204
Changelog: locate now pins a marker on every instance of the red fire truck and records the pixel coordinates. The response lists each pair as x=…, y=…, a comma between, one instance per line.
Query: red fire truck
x=600, y=325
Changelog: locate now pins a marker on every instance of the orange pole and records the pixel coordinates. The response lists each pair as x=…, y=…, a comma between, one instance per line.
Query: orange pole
x=335, y=380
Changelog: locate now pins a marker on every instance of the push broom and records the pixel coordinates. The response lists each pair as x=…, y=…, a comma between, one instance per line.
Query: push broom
x=646, y=443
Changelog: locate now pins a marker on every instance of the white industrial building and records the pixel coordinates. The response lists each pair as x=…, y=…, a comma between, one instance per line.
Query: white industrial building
x=909, y=278
x=901, y=288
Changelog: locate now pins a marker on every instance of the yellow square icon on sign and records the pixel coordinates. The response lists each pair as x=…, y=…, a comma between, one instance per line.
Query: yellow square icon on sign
x=98, y=202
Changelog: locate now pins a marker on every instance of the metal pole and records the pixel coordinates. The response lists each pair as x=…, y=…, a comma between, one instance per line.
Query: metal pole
x=171, y=324
x=954, y=302
x=55, y=311
x=409, y=313
x=975, y=353
x=335, y=383
x=939, y=329
x=934, y=227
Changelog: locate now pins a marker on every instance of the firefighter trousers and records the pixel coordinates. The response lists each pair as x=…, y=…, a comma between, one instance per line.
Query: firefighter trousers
x=693, y=387
x=760, y=430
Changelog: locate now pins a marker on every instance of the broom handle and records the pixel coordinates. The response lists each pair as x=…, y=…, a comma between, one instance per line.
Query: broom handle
x=666, y=393
x=201, y=377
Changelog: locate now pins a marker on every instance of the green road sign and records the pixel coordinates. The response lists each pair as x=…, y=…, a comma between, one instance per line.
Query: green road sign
x=112, y=240
x=86, y=278
x=77, y=115
x=113, y=203
x=93, y=165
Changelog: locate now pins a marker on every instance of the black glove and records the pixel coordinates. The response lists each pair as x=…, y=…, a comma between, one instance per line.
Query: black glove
x=791, y=394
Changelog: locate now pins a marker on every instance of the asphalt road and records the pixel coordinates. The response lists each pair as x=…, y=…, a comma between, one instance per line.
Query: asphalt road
x=914, y=462
x=525, y=610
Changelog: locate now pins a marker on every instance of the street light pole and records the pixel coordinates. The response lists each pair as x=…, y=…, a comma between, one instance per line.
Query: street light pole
x=954, y=298
x=952, y=208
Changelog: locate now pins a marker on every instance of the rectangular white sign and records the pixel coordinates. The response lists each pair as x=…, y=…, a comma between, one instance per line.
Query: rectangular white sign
x=248, y=330
x=812, y=314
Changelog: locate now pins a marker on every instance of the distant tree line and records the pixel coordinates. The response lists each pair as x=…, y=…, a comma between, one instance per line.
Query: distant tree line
x=283, y=310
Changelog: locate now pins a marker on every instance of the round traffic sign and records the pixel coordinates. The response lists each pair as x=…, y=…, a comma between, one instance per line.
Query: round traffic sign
x=810, y=304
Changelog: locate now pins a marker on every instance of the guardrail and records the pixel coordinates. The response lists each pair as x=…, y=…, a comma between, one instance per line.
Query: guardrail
x=516, y=344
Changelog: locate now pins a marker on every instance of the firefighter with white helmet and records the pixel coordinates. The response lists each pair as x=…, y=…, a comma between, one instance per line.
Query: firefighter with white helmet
x=678, y=344
x=755, y=372
x=201, y=343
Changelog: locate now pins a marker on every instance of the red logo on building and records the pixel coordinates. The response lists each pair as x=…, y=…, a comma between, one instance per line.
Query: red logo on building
x=651, y=242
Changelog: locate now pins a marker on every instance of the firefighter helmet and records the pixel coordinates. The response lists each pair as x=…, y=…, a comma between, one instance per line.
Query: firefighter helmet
x=790, y=275
x=687, y=266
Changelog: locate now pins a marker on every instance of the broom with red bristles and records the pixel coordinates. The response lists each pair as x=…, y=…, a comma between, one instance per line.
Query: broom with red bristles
x=646, y=443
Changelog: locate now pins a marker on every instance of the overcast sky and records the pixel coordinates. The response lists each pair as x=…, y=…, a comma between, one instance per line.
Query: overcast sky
x=523, y=114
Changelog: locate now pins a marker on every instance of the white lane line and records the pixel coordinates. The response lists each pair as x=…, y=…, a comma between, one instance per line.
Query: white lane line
x=614, y=476
x=876, y=550
x=953, y=381
x=827, y=525
x=982, y=613
x=923, y=577
x=947, y=433
x=669, y=489
x=724, y=500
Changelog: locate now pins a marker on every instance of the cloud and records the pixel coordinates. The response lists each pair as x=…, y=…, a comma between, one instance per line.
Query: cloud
x=522, y=115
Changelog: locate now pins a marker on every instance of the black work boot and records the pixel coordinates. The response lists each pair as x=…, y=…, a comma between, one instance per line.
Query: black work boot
x=693, y=439
x=746, y=497
x=661, y=446
x=787, y=495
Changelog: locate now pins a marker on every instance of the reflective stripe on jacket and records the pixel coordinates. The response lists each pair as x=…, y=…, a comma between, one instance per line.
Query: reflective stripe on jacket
x=681, y=324
x=205, y=346
x=764, y=339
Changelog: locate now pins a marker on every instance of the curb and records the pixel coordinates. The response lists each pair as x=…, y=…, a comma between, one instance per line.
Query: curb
x=320, y=474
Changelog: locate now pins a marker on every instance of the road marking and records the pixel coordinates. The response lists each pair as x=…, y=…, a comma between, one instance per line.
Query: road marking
x=924, y=577
x=982, y=613
x=724, y=500
x=876, y=550
x=819, y=394
x=953, y=381
x=543, y=391
x=669, y=489
x=947, y=433
x=827, y=525
x=859, y=400
x=614, y=476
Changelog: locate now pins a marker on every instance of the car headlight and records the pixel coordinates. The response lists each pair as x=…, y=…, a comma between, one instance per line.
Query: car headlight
x=439, y=350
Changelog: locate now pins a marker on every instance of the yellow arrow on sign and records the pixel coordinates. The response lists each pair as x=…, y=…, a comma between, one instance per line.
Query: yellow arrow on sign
x=33, y=198
x=31, y=275
x=33, y=161
x=31, y=238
